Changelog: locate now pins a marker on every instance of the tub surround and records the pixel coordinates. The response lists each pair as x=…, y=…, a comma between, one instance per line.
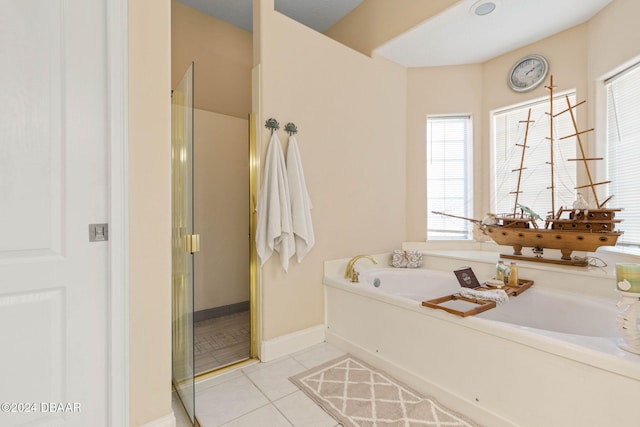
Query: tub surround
x=527, y=377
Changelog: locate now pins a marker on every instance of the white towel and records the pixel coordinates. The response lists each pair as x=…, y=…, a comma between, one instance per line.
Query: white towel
x=300, y=202
x=497, y=295
x=274, y=230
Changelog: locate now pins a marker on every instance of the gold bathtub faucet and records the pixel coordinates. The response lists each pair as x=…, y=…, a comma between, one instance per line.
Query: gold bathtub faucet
x=350, y=272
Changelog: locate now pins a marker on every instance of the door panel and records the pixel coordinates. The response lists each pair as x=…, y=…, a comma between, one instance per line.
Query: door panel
x=31, y=130
x=182, y=241
x=53, y=304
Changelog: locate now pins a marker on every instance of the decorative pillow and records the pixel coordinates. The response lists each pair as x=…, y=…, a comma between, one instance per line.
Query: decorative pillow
x=406, y=259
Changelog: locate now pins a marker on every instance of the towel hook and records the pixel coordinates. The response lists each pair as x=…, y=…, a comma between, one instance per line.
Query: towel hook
x=272, y=124
x=291, y=129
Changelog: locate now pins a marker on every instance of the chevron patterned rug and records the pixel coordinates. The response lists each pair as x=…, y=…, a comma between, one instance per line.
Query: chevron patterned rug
x=358, y=395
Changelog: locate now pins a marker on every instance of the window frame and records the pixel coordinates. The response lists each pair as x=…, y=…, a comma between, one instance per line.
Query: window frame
x=470, y=190
x=522, y=107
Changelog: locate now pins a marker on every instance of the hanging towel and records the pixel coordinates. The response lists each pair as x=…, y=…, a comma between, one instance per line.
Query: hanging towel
x=300, y=202
x=274, y=230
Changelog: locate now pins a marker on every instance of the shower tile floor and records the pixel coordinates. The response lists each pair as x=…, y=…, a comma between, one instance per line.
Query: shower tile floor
x=261, y=394
x=221, y=341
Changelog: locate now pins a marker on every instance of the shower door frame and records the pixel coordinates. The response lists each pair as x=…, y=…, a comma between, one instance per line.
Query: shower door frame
x=254, y=261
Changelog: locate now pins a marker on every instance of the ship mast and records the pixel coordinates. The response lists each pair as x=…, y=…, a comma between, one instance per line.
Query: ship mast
x=583, y=156
x=521, y=168
x=550, y=138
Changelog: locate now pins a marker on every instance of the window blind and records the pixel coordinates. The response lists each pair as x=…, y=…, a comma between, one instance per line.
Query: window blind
x=508, y=129
x=448, y=176
x=623, y=150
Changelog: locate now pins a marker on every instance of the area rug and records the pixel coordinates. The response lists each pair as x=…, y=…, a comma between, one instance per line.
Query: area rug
x=357, y=394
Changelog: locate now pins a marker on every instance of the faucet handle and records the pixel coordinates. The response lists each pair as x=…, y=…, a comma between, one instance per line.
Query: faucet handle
x=355, y=276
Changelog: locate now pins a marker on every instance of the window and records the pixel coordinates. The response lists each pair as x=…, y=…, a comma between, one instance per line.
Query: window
x=508, y=130
x=623, y=150
x=449, y=176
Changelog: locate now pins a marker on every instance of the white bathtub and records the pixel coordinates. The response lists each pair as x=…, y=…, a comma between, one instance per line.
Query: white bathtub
x=538, y=310
x=546, y=358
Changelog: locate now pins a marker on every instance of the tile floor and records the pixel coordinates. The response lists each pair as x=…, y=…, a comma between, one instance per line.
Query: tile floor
x=221, y=341
x=262, y=395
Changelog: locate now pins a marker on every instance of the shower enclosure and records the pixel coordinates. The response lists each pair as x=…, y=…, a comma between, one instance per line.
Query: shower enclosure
x=214, y=171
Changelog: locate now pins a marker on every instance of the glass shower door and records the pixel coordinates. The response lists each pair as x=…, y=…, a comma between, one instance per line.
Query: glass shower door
x=184, y=242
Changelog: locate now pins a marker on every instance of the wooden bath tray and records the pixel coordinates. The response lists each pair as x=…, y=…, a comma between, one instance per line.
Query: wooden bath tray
x=511, y=290
x=480, y=305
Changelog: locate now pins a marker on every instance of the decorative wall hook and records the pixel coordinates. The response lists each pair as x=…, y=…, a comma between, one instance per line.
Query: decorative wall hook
x=272, y=124
x=291, y=128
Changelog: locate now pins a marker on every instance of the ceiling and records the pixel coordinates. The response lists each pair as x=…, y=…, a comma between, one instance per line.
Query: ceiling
x=316, y=14
x=458, y=36
x=454, y=36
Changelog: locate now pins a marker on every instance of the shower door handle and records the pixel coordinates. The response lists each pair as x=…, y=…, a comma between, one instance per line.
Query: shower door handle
x=192, y=243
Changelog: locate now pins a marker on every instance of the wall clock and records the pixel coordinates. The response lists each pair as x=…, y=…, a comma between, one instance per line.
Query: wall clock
x=528, y=73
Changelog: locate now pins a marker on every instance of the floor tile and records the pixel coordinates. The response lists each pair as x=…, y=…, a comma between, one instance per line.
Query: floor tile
x=233, y=353
x=300, y=410
x=317, y=355
x=224, y=402
x=221, y=340
x=216, y=380
x=273, y=380
x=204, y=362
x=263, y=365
x=266, y=416
x=262, y=395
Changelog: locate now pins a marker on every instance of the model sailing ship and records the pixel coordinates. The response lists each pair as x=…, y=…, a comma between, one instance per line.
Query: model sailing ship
x=576, y=228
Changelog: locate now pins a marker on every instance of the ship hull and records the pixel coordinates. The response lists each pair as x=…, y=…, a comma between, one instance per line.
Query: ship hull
x=564, y=240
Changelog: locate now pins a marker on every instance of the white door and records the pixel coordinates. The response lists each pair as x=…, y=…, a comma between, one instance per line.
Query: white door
x=53, y=175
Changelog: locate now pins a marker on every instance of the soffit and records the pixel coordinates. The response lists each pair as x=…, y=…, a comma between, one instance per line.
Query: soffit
x=457, y=36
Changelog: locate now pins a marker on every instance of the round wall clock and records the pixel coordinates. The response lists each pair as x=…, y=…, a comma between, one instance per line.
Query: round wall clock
x=528, y=73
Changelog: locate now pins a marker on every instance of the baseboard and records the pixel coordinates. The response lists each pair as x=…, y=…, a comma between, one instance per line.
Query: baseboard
x=421, y=384
x=225, y=310
x=166, y=421
x=290, y=343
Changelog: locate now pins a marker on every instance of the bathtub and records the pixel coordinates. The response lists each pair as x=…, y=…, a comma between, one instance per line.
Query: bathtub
x=547, y=358
x=564, y=313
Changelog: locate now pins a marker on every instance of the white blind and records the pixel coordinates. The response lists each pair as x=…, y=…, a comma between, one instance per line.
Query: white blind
x=448, y=176
x=508, y=130
x=623, y=150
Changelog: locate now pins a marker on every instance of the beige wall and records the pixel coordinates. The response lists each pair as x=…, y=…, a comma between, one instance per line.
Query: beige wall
x=567, y=56
x=434, y=91
x=350, y=110
x=221, y=209
x=223, y=58
x=149, y=211
x=479, y=89
x=579, y=58
x=613, y=38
